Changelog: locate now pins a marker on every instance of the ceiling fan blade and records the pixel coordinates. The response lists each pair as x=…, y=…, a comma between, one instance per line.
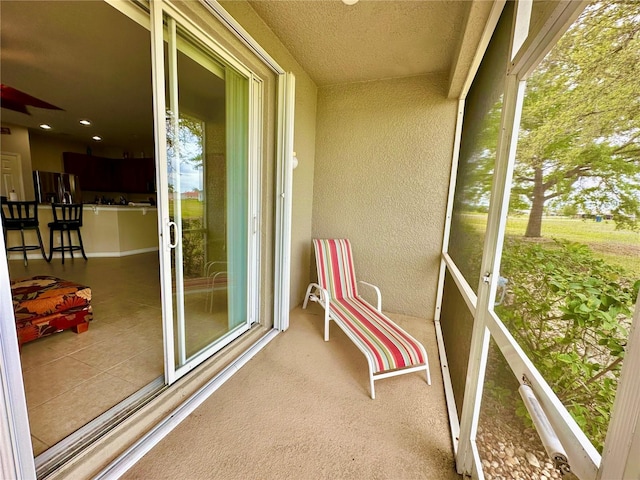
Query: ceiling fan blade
x=11, y=105
x=12, y=98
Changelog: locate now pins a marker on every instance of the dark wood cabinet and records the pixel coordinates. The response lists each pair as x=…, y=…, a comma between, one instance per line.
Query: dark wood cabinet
x=136, y=175
x=99, y=174
x=95, y=173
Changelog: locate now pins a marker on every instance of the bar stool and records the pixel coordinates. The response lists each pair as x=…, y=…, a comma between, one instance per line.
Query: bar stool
x=21, y=216
x=66, y=217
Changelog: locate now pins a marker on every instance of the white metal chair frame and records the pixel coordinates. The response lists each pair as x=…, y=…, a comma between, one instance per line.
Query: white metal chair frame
x=212, y=276
x=321, y=296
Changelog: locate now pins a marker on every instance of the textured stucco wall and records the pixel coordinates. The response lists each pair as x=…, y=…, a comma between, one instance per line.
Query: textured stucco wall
x=304, y=143
x=383, y=158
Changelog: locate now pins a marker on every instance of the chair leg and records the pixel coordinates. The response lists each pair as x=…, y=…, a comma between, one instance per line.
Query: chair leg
x=70, y=243
x=62, y=245
x=24, y=250
x=209, y=304
x=81, y=244
x=371, y=383
x=428, y=372
x=50, y=245
x=44, y=255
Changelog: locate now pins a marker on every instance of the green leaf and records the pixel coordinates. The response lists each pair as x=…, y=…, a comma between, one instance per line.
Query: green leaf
x=563, y=357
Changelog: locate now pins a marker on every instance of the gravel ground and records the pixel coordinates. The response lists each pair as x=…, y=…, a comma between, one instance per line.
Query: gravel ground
x=504, y=457
x=508, y=447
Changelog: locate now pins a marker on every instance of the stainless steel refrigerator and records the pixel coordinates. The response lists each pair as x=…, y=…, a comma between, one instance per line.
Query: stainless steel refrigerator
x=54, y=187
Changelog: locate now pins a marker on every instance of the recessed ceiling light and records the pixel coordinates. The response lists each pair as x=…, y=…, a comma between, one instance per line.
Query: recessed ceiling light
x=44, y=126
x=97, y=138
x=349, y=2
x=86, y=123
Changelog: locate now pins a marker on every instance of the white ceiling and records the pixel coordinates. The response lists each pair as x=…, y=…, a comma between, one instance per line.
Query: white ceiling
x=92, y=61
x=373, y=39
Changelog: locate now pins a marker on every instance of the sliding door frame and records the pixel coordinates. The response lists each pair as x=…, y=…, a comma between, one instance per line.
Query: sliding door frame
x=284, y=167
x=16, y=453
x=16, y=456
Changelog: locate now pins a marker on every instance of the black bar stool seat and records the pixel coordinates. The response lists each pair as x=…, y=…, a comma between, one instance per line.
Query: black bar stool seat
x=67, y=217
x=21, y=216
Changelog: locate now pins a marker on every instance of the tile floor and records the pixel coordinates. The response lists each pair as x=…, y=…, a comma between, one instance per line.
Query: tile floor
x=72, y=378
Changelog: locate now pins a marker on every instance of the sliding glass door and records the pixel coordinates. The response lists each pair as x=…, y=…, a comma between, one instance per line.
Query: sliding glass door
x=205, y=197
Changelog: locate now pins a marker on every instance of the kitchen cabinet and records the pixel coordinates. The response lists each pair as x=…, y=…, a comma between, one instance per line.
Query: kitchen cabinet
x=136, y=175
x=121, y=175
x=95, y=173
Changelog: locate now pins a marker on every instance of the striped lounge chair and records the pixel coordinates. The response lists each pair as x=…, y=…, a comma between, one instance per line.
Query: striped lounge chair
x=388, y=348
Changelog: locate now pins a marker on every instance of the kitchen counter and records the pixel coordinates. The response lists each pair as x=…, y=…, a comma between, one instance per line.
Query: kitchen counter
x=94, y=207
x=109, y=230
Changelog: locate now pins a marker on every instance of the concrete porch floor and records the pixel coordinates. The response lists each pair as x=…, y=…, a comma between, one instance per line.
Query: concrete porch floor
x=301, y=409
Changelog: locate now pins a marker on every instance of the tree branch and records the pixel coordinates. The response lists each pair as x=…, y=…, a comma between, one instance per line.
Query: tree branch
x=611, y=366
x=552, y=195
x=525, y=179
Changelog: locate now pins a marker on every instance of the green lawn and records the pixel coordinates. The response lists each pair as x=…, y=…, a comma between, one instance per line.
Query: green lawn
x=191, y=208
x=583, y=231
x=621, y=247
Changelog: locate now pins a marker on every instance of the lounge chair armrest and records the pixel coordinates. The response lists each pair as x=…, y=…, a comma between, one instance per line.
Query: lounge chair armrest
x=378, y=294
x=214, y=267
x=324, y=294
x=317, y=294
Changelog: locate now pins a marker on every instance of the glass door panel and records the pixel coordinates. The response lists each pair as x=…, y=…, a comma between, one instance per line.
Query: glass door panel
x=207, y=178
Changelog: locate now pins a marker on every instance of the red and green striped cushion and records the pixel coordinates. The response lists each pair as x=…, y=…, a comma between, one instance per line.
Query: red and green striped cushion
x=388, y=345
x=335, y=267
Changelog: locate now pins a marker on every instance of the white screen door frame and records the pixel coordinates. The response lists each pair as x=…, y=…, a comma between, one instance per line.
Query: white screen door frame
x=618, y=459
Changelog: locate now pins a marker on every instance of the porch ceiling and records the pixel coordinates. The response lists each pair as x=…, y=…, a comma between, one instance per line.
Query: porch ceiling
x=373, y=39
x=333, y=42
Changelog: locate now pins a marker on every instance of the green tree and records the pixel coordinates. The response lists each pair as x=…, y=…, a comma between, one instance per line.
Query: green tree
x=189, y=140
x=580, y=128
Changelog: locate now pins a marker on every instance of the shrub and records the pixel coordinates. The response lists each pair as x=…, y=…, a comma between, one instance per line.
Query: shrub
x=570, y=312
x=192, y=247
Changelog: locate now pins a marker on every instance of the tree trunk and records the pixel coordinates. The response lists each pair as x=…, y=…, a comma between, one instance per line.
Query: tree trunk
x=534, y=227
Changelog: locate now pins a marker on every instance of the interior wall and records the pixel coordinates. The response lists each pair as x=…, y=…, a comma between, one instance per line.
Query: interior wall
x=46, y=151
x=382, y=170
x=304, y=144
x=18, y=142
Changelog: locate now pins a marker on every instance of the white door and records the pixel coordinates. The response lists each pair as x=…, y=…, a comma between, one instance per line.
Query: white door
x=11, y=167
